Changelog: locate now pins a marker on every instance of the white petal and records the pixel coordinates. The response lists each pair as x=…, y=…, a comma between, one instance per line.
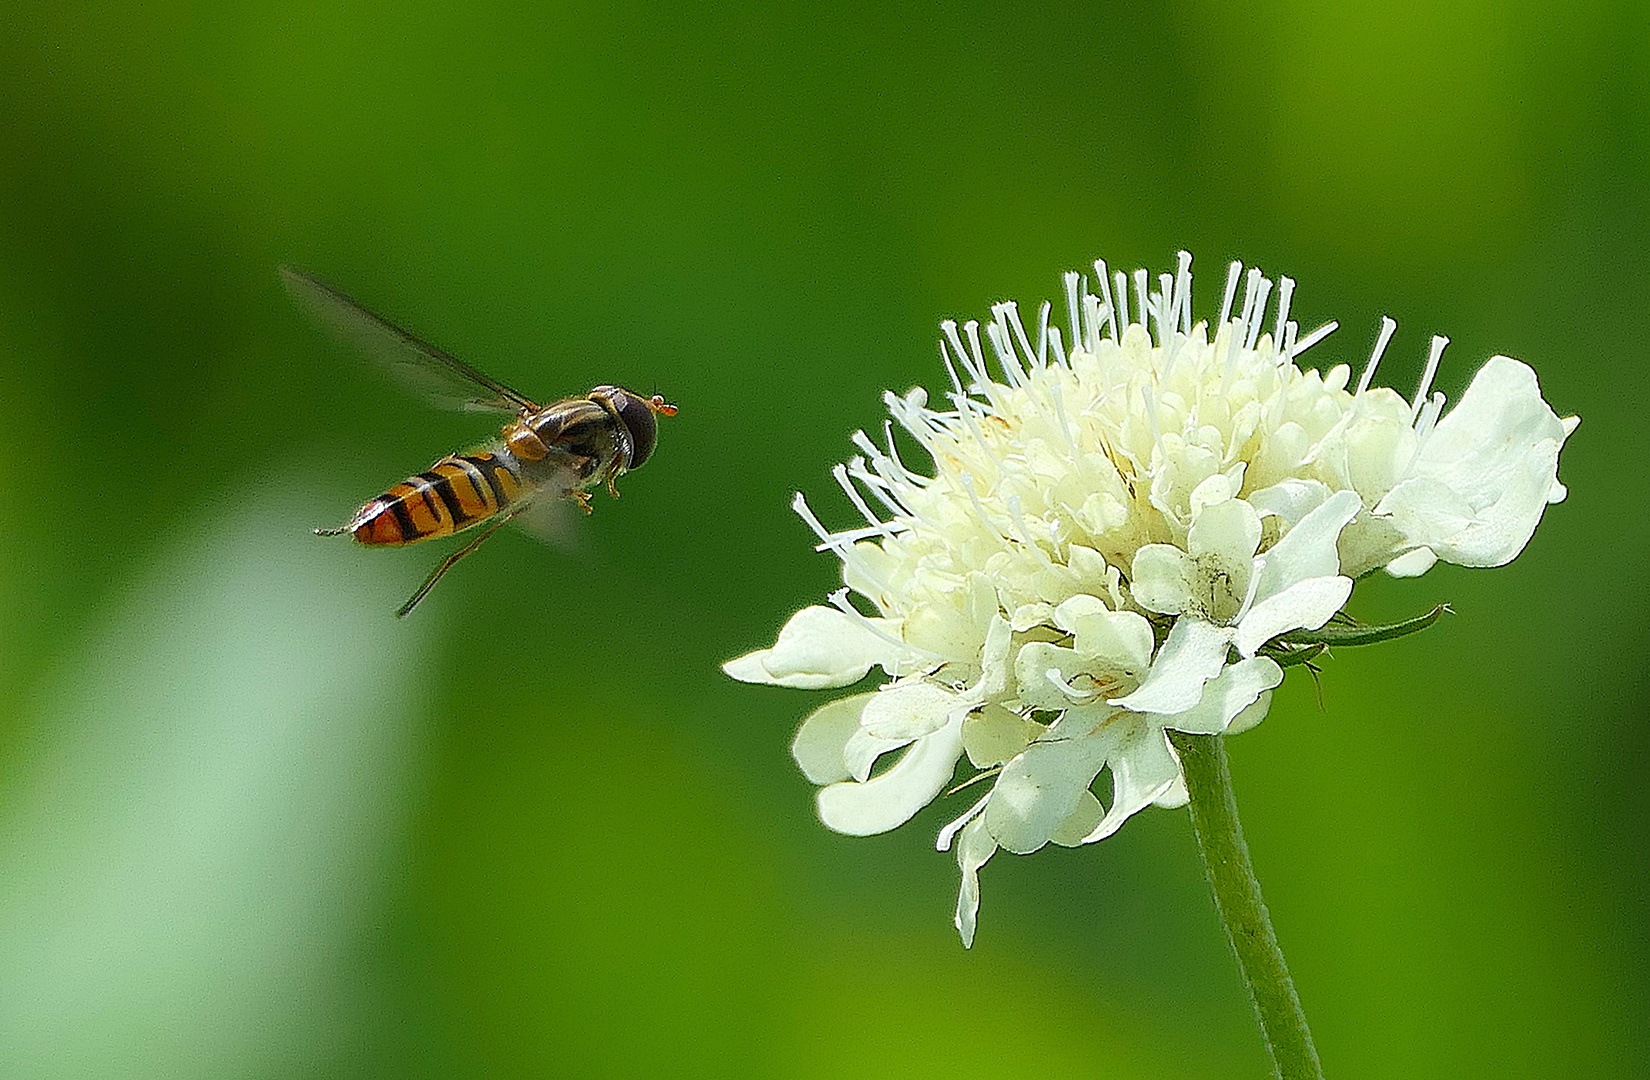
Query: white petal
x=1236, y=688
x=1033, y=666
x=819, y=648
x=1412, y=563
x=1077, y=721
x=1378, y=450
x=1497, y=453
x=1161, y=579
x=1142, y=770
x=1305, y=605
x=1215, y=489
x=1428, y=510
x=1308, y=549
x=974, y=849
x=1091, y=567
x=999, y=638
x=888, y=801
x=1194, y=653
x=1028, y=615
x=942, y=842
x=1229, y=530
x=1501, y=415
x=1075, y=609
x=1175, y=795
x=1121, y=640
x=863, y=749
x=1369, y=543
x=1248, y=718
x=1042, y=787
x=1080, y=822
x=994, y=734
x=908, y=709
x=822, y=738
x=1289, y=500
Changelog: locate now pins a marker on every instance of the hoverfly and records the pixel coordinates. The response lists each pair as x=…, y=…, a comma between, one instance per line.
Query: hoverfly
x=545, y=452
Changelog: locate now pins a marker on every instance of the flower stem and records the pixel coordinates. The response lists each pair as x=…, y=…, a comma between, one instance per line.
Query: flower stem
x=1242, y=911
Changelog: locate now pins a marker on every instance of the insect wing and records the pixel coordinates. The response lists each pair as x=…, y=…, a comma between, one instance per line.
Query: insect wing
x=553, y=520
x=434, y=373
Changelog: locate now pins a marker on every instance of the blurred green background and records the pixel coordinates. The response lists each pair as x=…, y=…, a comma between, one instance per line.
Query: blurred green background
x=251, y=825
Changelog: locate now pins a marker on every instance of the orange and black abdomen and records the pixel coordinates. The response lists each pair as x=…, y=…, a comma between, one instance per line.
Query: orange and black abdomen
x=457, y=492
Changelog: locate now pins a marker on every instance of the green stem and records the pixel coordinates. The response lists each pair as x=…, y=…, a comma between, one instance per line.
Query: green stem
x=1242, y=911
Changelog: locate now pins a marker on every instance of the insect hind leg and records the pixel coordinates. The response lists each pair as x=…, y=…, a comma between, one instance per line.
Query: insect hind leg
x=448, y=563
x=339, y=531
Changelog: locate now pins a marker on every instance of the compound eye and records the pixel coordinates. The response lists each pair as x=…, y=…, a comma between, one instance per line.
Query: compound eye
x=638, y=418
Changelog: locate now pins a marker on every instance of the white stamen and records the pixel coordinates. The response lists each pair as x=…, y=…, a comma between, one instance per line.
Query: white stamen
x=950, y=369
x=854, y=536
x=1233, y=272
x=841, y=474
x=965, y=409
x=1151, y=417
x=1101, y=275
x=1316, y=336
x=1183, y=291
x=1059, y=349
x=1141, y=280
x=1013, y=310
x=1167, y=308
x=842, y=548
x=1016, y=511
x=1262, y=293
x=916, y=423
x=839, y=600
x=1251, y=288
x=1120, y=293
x=1071, y=279
x=1387, y=327
x=1070, y=691
x=1042, y=333
x=1091, y=309
x=979, y=507
x=1064, y=425
x=893, y=455
x=1433, y=355
x=877, y=484
x=949, y=328
x=1004, y=348
x=972, y=329
x=1286, y=292
x=1429, y=415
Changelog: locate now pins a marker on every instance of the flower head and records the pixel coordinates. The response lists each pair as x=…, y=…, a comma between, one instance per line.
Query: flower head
x=1130, y=528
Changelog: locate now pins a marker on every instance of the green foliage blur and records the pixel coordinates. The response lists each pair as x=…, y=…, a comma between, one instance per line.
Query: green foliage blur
x=253, y=826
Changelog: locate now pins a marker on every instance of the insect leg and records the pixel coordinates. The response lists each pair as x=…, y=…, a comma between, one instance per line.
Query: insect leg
x=447, y=564
x=339, y=531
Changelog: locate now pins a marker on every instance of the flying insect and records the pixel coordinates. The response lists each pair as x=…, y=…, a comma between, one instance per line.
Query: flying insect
x=543, y=454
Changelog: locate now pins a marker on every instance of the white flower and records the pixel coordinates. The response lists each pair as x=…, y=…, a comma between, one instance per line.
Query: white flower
x=1124, y=535
x=1227, y=596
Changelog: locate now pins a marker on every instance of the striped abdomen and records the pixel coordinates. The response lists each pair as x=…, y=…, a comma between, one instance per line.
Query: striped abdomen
x=457, y=492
